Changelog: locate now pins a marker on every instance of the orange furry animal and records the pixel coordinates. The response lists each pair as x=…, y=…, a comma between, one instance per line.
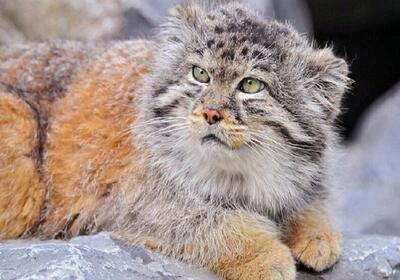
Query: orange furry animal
x=208, y=145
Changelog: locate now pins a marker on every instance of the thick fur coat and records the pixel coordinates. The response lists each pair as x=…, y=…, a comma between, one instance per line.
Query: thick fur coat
x=113, y=137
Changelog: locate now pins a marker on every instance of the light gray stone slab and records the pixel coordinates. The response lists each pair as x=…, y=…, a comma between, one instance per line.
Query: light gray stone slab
x=99, y=257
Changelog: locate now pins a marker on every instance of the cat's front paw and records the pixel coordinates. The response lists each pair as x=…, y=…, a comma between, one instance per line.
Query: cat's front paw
x=274, y=263
x=317, y=250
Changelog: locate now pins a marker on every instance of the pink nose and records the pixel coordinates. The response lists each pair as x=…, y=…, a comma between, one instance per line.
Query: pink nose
x=211, y=116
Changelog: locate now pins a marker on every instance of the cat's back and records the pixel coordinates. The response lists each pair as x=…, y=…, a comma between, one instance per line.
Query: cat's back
x=42, y=73
x=79, y=97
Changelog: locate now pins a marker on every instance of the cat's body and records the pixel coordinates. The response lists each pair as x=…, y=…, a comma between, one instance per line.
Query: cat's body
x=125, y=137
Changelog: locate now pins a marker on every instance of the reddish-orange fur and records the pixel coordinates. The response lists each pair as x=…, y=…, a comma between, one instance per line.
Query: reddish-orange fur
x=22, y=191
x=79, y=178
x=93, y=111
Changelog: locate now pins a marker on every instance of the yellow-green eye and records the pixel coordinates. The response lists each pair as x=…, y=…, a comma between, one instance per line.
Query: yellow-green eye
x=250, y=85
x=200, y=75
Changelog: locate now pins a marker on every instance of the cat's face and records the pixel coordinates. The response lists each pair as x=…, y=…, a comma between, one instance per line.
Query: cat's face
x=230, y=85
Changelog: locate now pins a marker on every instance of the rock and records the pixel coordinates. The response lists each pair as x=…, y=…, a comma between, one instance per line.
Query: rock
x=91, y=258
x=100, y=257
x=38, y=20
x=369, y=172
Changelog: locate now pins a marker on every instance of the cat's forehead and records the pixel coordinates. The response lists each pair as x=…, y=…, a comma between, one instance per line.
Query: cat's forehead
x=234, y=34
x=243, y=25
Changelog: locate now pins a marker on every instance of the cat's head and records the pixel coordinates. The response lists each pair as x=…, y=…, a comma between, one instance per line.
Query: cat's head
x=229, y=86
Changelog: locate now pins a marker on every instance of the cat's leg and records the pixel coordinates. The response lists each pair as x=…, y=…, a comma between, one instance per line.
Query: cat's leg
x=235, y=245
x=261, y=254
x=313, y=241
x=21, y=191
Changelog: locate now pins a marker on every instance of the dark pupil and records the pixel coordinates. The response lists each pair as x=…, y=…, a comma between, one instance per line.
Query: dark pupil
x=250, y=82
x=201, y=72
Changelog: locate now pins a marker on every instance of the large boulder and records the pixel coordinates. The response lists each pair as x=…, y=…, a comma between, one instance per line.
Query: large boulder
x=368, y=172
x=100, y=257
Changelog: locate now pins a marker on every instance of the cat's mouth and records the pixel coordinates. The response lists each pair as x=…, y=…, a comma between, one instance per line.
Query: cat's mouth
x=212, y=138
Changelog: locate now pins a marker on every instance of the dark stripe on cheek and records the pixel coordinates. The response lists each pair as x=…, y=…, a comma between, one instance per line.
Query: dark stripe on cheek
x=284, y=132
x=164, y=88
x=252, y=110
x=160, y=91
x=304, y=148
x=165, y=110
x=255, y=111
x=192, y=93
x=305, y=124
x=193, y=84
x=296, y=116
x=254, y=100
x=189, y=94
x=235, y=109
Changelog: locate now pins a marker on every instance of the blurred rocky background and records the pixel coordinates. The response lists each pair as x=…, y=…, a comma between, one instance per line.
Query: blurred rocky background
x=88, y=20
x=366, y=170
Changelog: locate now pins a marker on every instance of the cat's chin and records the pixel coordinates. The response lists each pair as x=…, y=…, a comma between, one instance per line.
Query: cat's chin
x=213, y=141
x=216, y=157
x=216, y=150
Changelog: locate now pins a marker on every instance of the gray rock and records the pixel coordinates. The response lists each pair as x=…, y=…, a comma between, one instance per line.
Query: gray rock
x=91, y=258
x=38, y=20
x=100, y=257
x=369, y=172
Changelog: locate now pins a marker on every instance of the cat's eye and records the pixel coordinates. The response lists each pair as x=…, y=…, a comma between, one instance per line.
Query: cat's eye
x=250, y=85
x=201, y=75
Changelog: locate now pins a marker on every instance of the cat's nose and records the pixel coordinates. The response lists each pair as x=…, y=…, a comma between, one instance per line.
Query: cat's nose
x=211, y=116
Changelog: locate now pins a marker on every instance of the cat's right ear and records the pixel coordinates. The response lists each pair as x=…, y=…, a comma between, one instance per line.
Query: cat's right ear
x=182, y=21
x=188, y=15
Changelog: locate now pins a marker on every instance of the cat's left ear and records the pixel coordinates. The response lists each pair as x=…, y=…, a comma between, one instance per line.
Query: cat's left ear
x=328, y=79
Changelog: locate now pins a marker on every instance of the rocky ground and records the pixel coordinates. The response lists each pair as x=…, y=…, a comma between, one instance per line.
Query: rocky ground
x=100, y=257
